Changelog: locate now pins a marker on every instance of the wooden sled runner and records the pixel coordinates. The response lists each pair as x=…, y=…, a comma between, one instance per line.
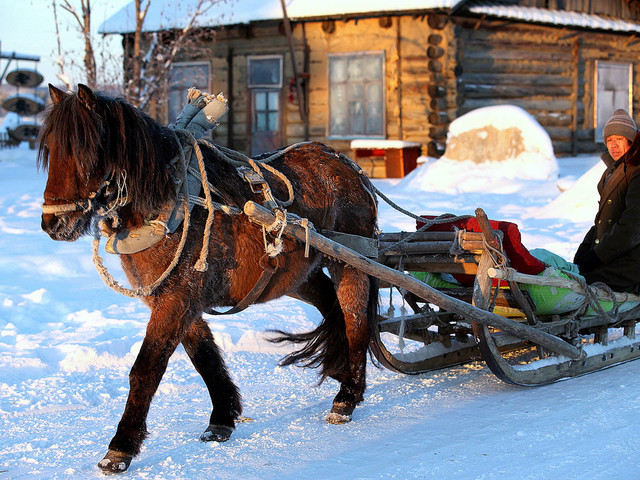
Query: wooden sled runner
x=453, y=326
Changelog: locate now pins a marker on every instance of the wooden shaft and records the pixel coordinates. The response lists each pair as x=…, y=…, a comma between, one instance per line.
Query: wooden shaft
x=428, y=247
x=559, y=282
x=260, y=215
x=429, y=258
x=418, y=264
x=428, y=236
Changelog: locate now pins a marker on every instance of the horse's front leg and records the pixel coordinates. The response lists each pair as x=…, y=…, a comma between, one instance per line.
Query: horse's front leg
x=165, y=330
x=225, y=398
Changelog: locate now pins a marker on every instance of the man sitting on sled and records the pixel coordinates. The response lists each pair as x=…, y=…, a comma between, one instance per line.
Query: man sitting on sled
x=610, y=251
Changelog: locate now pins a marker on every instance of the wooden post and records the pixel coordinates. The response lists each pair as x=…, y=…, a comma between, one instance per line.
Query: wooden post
x=299, y=93
x=482, y=283
x=260, y=215
x=399, y=75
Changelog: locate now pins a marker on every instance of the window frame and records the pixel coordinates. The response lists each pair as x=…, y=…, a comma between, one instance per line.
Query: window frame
x=280, y=59
x=350, y=136
x=206, y=88
x=268, y=111
x=597, y=129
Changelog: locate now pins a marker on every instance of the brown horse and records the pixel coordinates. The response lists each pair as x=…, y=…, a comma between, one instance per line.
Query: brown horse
x=89, y=139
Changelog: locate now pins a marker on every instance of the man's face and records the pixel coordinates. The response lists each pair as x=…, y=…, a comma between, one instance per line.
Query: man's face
x=617, y=146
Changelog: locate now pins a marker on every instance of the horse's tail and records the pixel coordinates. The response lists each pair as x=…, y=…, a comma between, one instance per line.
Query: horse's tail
x=326, y=346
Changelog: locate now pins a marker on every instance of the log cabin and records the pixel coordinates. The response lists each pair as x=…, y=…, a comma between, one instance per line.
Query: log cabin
x=402, y=71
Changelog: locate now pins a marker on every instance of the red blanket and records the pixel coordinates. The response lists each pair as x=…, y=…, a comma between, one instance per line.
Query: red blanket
x=519, y=256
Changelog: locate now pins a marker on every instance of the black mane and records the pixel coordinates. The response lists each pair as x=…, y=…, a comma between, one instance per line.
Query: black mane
x=113, y=136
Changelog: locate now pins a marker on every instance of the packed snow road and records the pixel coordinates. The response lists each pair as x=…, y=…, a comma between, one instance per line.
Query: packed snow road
x=67, y=343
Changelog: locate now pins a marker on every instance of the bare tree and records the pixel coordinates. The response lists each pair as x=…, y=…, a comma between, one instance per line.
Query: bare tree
x=83, y=22
x=148, y=56
x=153, y=53
x=62, y=75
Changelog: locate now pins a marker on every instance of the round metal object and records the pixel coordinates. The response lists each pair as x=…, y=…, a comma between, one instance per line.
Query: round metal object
x=25, y=78
x=26, y=131
x=24, y=104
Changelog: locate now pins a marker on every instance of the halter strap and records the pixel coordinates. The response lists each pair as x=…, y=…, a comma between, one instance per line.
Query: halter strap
x=81, y=205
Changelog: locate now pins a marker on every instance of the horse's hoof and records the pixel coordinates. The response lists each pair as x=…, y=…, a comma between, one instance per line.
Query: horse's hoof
x=217, y=433
x=340, y=413
x=338, y=418
x=115, y=462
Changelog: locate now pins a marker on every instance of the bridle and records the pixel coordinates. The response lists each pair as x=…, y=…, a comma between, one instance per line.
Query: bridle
x=85, y=205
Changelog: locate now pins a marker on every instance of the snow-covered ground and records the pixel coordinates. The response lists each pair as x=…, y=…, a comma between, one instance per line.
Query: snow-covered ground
x=67, y=343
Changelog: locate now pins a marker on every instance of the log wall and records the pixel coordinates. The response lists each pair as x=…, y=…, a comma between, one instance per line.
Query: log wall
x=550, y=72
x=420, y=79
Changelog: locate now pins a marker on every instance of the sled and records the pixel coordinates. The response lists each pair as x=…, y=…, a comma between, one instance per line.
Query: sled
x=493, y=319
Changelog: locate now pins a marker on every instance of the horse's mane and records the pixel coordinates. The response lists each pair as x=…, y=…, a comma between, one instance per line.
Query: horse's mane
x=112, y=135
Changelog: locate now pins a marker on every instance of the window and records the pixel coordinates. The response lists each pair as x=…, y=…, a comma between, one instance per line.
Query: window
x=266, y=110
x=264, y=71
x=264, y=80
x=613, y=91
x=183, y=76
x=356, y=95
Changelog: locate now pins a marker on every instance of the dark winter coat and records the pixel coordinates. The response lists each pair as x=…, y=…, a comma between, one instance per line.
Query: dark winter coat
x=610, y=252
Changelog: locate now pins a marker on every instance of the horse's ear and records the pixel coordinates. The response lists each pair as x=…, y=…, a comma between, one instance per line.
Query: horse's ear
x=86, y=96
x=56, y=94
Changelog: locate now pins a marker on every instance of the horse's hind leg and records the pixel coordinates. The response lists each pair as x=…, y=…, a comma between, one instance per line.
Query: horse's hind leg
x=353, y=292
x=339, y=344
x=225, y=398
x=164, y=331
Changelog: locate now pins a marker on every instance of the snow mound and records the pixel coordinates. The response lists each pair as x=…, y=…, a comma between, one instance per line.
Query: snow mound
x=485, y=146
x=579, y=203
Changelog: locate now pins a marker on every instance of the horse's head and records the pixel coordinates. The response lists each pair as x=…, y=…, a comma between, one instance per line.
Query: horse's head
x=96, y=149
x=70, y=149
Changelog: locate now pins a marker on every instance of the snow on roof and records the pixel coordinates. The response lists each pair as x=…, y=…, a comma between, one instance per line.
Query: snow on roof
x=556, y=17
x=373, y=144
x=168, y=14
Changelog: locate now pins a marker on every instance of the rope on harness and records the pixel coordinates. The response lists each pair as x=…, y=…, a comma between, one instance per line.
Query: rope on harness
x=149, y=289
x=274, y=249
x=140, y=291
x=201, y=264
x=282, y=218
x=238, y=159
x=122, y=198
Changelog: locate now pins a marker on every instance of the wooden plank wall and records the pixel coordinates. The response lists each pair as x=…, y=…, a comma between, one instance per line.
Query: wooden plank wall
x=229, y=71
x=420, y=93
x=420, y=83
x=547, y=71
x=335, y=37
x=437, y=68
